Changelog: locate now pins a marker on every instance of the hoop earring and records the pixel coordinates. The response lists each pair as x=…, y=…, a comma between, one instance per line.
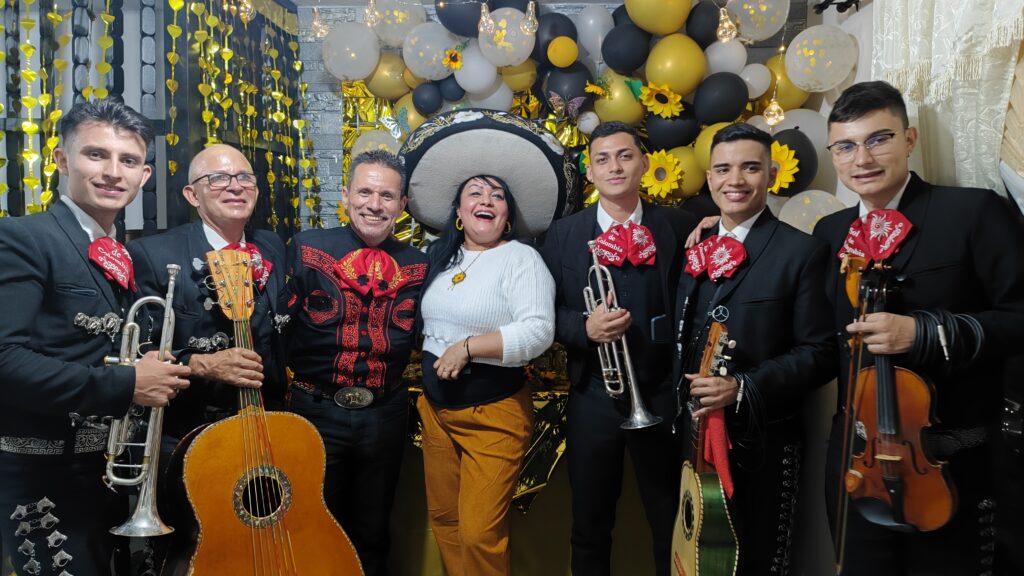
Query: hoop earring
x=508, y=227
x=458, y=223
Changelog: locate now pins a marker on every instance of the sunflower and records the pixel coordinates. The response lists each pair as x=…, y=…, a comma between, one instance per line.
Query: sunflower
x=661, y=100
x=786, y=163
x=596, y=89
x=663, y=175
x=452, y=59
x=584, y=160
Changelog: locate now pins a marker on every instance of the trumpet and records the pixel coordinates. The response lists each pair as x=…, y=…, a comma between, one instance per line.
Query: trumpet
x=145, y=520
x=616, y=362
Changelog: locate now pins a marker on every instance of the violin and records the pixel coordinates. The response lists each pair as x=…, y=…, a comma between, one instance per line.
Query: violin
x=889, y=475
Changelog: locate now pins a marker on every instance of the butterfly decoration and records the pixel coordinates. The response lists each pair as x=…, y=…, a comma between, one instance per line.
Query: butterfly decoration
x=563, y=109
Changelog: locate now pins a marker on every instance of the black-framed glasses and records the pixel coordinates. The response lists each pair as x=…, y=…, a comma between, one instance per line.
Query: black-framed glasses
x=877, y=144
x=221, y=180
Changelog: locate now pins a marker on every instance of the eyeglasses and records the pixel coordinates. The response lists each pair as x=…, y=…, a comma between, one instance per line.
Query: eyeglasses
x=877, y=145
x=220, y=180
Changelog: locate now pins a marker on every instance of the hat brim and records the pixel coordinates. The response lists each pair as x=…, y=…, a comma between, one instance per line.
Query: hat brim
x=453, y=147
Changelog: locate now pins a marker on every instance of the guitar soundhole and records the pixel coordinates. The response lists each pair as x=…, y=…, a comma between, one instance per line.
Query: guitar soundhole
x=262, y=496
x=688, y=519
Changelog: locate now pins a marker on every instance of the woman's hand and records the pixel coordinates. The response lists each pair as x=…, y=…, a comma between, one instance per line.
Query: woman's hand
x=454, y=359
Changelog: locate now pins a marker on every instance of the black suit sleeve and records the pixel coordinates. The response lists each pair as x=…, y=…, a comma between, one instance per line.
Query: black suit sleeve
x=570, y=324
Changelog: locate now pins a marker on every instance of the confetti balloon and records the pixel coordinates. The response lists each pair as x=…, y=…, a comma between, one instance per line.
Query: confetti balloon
x=350, y=51
x=803, y=210
x=759, y=19
x=395, y=18
x=820, y=58
x=424, y=50
x=508, y=45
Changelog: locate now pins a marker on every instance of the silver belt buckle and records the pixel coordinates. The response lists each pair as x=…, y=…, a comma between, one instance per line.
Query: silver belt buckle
x=353, y=397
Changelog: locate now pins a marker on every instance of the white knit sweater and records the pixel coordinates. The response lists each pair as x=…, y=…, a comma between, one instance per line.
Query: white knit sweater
x=507, y=288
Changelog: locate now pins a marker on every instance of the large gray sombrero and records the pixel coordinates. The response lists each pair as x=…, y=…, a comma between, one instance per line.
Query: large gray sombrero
x=452, y=147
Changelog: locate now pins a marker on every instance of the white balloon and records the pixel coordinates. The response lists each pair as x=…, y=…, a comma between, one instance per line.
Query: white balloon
x=350, y=51
x=375, y=140
x=759, y=19
x=497, y=97
x=396, y=18
x=820, y=58
x=587, y=122
x=726, y=57
x=593, y=23
x=759, y=122
x=424, y=50
x=803, y=210
x=508, y=45
x=758, y=78
x=477, y=74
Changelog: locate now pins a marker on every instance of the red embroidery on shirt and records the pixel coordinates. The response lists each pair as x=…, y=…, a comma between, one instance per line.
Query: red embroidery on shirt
x=320, y=315
x=379, y=343
x=318, y=260
x=348, y=339
x=415, y=273
x=405, y=306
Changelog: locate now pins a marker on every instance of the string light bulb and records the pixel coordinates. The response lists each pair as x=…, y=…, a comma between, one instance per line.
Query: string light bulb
x=317, y=27
x=726, y=27
x=372, y=16
x=530, y=24
x=486, y=25
x=246, y=11
x=773, y=112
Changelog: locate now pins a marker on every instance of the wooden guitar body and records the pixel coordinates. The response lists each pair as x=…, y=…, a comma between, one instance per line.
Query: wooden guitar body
x=704, y=540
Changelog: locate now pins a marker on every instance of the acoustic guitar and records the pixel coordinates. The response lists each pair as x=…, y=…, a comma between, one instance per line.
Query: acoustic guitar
x=255, y=480
x=704, y=540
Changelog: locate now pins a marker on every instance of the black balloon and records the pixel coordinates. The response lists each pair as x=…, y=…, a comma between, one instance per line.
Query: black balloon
x=450, y=89
x=799, y=143
x=620, y=16
x=551, y=26
x=702, y=24
x=569, y=83
x=721, y=97
x=668, y=133
x=427, y=98
x=461, y=17
x=626, y=48
x=520, y=5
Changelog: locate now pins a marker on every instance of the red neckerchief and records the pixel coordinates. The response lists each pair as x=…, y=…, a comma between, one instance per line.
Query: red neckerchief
x=619, y=243
x=718, y=255
x=111, y=257
x=717, y=446
x=260, y=266
x=877, y=236
x=370, y=269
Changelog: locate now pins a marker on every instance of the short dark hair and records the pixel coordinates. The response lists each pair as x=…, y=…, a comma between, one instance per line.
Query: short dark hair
x=742, y=131
x=615, y=127
x=379, y=157
x=110, y=111
x=864, y=98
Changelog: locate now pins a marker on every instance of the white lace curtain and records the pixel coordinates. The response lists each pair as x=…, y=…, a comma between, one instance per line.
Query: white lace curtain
x=955, y=59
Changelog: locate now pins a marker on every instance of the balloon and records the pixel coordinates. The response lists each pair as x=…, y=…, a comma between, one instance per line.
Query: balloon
x=350, y=51
x=757, y=78
x=388, y=79
x=625, y=48
x=450, y=89
x=661, y=17
x=551, y=26
x=508, y=45
x=587, y=122
x=803, y=210
x=678, y=62
x=798, y=142
x=520, y=5
x=815, y=127
x=702, y=24
x=820, y=58
x=618, y=103
x=407, y=116
x=411, y=80
x=569, y=82
x=726, y=57
x=720, y=97
x=788, y=94
x=693, y=177
x=396, y=18
x=424, y=50
x=666, y=133
x=702, y=148
x=497, y=97
x=476, y=73
x=461, y=17
x=759, y=19
x=520, y=77
x=759, y=122
x=594, y=23
x=562, y=51
x=427, y=99
x=375, y=140
x=620, y=16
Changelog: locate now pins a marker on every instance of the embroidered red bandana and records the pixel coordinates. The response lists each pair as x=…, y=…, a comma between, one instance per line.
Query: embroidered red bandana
x=619, y=243
x=370, y=269
x=718, y=255
x=716, y=447
x=260, y=267
x=877, y=236
x=111, y=256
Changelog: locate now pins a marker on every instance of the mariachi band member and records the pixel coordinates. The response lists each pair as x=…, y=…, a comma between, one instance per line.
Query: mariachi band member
x=353, y=293
x=642, y=246
x=65, y=284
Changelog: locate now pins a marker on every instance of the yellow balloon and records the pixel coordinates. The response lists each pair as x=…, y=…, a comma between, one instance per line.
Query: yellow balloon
x=411, y=80
x=676, y=60
x=661, y=17
x=388, y=80
x=702, y=147
x=412, y=117
x=693, y=177
x=520, y=77
x=618, y=103
x=562, y=51
x=788, y=94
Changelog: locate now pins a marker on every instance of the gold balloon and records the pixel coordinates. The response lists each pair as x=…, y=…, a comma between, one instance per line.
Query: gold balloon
x=412, y=118
x=618, y=103
x=388, y=80
x=702, y=147
x=660, y=17
x=411, y=80
x=693, y=177
x=788, y=94
x=562, y=51
x=676, y=60
x=520, y=77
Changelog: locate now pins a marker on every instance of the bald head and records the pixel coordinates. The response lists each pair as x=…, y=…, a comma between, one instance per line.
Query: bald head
x=223, y=189
x=213, y=159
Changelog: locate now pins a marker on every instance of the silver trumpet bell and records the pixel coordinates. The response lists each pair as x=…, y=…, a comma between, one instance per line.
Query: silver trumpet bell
x=616, y=363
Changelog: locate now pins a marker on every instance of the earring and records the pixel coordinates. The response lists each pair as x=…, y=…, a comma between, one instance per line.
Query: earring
x=508, y=227
x=458, y=223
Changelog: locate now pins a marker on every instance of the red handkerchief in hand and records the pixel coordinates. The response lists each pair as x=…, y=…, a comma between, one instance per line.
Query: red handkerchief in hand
x=716, y=447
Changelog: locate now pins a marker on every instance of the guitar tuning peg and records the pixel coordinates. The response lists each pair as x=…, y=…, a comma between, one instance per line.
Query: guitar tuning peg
x=208, y=304
x=198, y=264
x=730, y=344
x=724, y=357
x=722, y=371
x=210, y=284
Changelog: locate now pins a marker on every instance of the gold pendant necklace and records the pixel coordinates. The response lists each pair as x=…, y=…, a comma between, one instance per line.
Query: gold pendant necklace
x=461, y=275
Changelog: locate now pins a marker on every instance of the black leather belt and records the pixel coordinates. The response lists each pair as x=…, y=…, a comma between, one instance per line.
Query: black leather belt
x=349, y=397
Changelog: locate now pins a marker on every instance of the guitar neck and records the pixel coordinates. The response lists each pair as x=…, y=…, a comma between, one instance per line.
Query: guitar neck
x=247, y=397
x=697, y=446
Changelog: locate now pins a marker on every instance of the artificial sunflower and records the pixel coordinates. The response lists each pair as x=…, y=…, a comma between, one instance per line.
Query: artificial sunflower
x=452, y=59
x=786, y=164
x=595, y=89
x=663, y=174
x=661, y=100
x=584, y=160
